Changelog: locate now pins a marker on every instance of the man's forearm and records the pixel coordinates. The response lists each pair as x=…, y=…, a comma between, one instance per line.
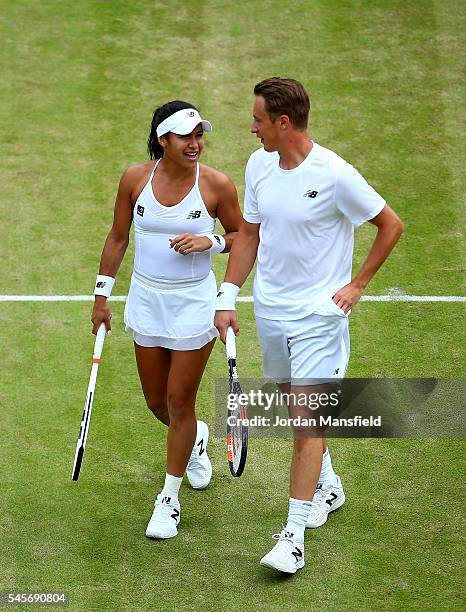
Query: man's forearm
x=384, y=242
x=242, y=257
x=229, y=240
x=388, y=234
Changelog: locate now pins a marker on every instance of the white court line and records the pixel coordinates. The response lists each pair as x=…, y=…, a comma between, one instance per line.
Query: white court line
x=243, y=298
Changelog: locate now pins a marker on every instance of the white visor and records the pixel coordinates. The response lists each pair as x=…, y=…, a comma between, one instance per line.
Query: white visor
x=183, y=122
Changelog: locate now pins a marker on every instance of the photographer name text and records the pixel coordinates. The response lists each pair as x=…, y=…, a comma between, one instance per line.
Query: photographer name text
x=322, y=421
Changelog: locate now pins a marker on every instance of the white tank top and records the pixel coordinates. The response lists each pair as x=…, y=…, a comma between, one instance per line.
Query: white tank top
x=155, y=223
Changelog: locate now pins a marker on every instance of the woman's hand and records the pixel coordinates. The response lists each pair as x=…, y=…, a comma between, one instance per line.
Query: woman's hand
x=101, y=313
x=187, y=243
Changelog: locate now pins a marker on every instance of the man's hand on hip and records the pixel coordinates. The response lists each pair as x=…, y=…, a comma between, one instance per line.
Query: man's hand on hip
x=348, y=296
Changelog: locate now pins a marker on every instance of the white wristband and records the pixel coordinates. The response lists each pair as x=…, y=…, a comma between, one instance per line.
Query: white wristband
x=104, y=285
x=218, y=243
x=226, y=297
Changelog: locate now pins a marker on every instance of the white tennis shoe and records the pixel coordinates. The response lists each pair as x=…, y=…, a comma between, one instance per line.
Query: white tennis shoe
x=287, y=555
x=325, y=500
x=199, y=469
x=165, y=518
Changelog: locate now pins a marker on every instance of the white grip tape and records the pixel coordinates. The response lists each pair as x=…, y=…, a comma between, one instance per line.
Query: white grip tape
x=218, y=243
x=99, y=341
x=104, y=285
x=231, y=343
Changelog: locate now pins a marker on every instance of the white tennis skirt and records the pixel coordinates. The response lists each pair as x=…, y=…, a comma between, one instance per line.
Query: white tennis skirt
x=171, y=314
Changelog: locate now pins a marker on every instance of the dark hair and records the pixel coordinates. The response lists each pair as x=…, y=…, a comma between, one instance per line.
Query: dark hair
x=285, y=97
x=160, y=114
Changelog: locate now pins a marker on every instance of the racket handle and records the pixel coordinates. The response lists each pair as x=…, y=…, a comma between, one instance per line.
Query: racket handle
x=231, y=343
x=99, y=341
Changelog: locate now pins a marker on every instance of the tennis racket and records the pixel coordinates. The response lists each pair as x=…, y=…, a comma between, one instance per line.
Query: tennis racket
x=84, y=429
x=237, y=429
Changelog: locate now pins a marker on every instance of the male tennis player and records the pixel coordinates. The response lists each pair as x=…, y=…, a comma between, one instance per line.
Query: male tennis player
x=301, y=205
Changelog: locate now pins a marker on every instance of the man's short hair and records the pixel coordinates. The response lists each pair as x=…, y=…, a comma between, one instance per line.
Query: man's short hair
x=285, y=97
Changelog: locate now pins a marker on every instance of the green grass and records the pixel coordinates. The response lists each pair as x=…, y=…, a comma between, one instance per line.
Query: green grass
x=384, y=550
x=79, y=82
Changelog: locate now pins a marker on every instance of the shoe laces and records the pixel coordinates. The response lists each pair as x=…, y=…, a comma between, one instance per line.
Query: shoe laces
x=321, y=497
x=194, y=459
x=283, y=536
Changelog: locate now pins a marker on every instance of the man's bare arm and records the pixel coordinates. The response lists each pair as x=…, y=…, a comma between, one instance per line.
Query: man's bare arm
x=240, y=263
x=389, y=230
x=243, y=253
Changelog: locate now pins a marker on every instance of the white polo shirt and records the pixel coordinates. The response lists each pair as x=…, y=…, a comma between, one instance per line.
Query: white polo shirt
x=307, y=217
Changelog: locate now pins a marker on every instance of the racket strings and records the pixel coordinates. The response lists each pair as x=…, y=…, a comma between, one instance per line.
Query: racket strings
x=237, y=430
x=238, y=412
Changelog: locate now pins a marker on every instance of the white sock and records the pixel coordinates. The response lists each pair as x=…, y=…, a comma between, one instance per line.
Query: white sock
x=297, y=516
x=327, y=475
x=172, y=486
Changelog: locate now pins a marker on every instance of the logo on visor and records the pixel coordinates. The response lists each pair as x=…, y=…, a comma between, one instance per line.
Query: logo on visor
x=190, y=114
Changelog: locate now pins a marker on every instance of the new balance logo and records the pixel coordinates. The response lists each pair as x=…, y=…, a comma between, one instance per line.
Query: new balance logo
x=101, y=284
x=190, y=114
x=217, y=238
x=201, y=447
x=297, y=554
x=140, y=210
x=194, y=214
x=176, y=514
x=333, y=498
x=310, y=194
x=166, y=500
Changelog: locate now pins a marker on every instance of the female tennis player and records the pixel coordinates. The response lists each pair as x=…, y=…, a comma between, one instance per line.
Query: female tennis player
x=173, y=202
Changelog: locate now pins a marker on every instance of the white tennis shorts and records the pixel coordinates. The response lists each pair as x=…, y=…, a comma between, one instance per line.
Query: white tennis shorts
x=306, y=351
x=171, y=314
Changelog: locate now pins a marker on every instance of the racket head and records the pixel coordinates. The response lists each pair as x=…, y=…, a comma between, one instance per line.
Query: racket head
x=82, y=436
x=77, y=463
x=84, y=427
x=237, y=428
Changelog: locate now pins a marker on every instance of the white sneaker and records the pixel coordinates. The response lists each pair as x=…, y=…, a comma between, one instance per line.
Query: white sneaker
x=199, y=469
x=287, y=555
x=165, y=518
x=325, y=501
